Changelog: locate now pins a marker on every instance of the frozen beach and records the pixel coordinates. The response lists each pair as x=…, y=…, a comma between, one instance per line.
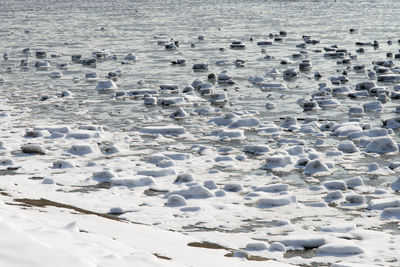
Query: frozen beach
x=206, y=133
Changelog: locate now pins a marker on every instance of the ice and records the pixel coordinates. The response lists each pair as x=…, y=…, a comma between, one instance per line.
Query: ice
x=395, y=185
x=355, y=199
x=256, y=246
x=184, y=178
x=391, y=213
x=157, y=172
x=273, y=188
x=175, y=201
x=347, y=147
x=83, y=134
x=164, y=130
x=317, y=168
x=63, y=164
x=232, y=187
x=245, y=123
x=380, y=204
x=279, y=163
x=276, y=201
x=229, y=134
x=104, y=176
x=106, y=85
x=48, y=181
x=195, y=191
x=340, y=249
x=335, y=185
x=339, y=228
x=256, y=149
x=33, y=149
x=382, y=145
x=300, y=242
x=83, y=149
x=334, y=196
x=276, y=246
x=146, y=181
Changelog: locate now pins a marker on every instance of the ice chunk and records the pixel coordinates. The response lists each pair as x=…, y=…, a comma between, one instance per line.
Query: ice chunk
x=277, y=162
x=335, y=185
x=341, y=249
x=300, y=242
x=256, y=149
x=163, y=130
x=276, y=201
x=184, y=178
x=354, y=182
x=317, y=168
x=195, y=191
x=380, y=204
x=104, y=176
x=347, y=147
x=33, y=149
x=82, y=149
x=62, y=164
x=339, y=227
x=355, y=199
x=245, y=123
x=333, y=196
x=391, y=213
x=106, y=85
x=229, y=134
x=233, y=187
x=382, y=145
x=276, y=246
x=175, y=201
x=396, y=185
x=145, y=181
x=157, y=172
x=256, y=246
x=275, y=188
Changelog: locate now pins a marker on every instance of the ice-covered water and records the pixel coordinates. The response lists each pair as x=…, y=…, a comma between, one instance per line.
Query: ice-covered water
x=122, y=27
x=73, y=27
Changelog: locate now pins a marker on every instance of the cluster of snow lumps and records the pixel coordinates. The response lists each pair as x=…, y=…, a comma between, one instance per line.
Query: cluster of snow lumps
x=300, y=157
